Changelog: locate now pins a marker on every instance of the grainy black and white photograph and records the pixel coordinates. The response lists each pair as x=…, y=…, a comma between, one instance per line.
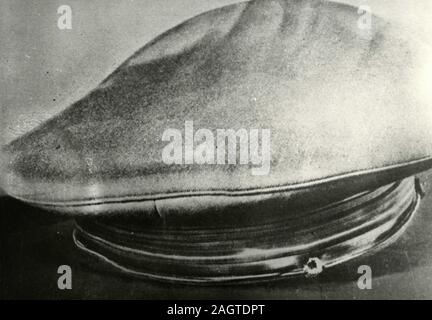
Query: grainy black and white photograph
x=216, y=150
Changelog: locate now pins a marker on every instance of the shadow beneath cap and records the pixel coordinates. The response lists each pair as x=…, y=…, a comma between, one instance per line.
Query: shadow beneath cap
x=34, y=243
